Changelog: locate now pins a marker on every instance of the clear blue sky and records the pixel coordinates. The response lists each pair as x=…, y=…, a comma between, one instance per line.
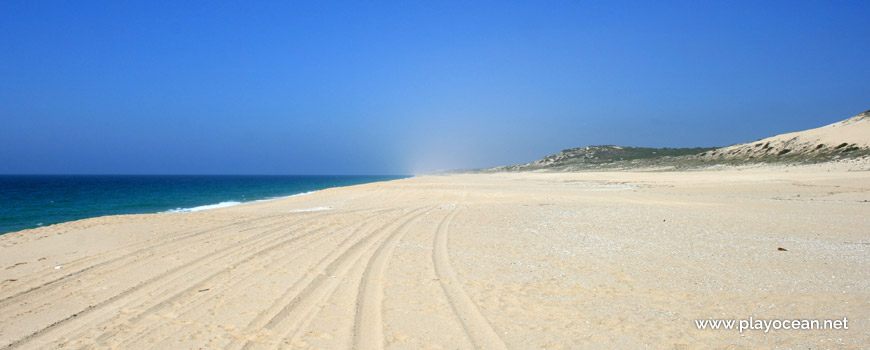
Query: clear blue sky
x=358, y=87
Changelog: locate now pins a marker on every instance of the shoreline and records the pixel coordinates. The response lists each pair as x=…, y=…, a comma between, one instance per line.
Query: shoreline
x=227, y=204
x=208, y=206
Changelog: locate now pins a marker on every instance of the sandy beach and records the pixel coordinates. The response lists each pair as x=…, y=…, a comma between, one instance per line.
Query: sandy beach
x=519, y=261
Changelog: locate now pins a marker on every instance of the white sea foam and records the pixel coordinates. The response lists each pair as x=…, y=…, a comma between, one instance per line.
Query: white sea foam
x=310, y=209
x=282, y=197
x=232, y=203
x=204, y=207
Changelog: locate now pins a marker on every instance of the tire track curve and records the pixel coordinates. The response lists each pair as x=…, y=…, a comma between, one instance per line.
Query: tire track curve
x=301, y=307
x=476, y=327
x=368, y=330
x=315, y=237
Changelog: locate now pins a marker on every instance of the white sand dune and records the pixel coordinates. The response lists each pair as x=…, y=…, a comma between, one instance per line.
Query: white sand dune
x=520, y=261
x=852, y=132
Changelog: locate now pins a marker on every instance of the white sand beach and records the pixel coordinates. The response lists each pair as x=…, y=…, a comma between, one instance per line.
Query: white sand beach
x=519, y=261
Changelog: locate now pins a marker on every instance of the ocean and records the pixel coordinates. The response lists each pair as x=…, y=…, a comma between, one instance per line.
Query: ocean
x=29, y=201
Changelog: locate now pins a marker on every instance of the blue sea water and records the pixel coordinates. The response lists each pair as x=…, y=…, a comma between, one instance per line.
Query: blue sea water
x=29, y=201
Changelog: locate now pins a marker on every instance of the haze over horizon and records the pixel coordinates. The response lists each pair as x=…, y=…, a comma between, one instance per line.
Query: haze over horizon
x=398, y=88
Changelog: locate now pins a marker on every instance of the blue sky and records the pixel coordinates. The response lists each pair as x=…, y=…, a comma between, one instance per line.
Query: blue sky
x=311, y=87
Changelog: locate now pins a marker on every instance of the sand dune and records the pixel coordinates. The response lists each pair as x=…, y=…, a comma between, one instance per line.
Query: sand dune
x=520, y=261
x=841, y=139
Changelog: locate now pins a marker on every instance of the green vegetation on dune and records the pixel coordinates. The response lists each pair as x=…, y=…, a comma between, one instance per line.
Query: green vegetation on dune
x=616, y=158
x=610, y=153
x=604, y=157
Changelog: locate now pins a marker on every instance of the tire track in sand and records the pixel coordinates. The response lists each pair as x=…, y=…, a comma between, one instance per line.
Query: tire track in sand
x=476, y=327
x=188, y=288
x=150, y=245
x=316, y=236
x=368, y=330
x=140, y=287
x=301, y=307
x=138, y=251
x=47, y=298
